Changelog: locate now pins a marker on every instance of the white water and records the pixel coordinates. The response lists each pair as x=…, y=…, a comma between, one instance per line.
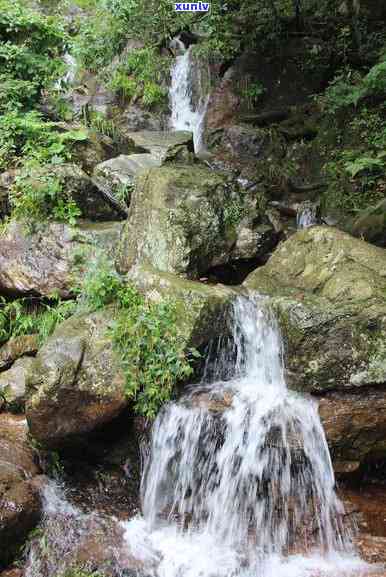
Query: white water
x=247, y=490
x=238, y=482
x=184, y=116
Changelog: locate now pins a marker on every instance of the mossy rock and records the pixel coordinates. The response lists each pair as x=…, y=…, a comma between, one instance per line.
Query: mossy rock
x=75, y=384
x=329, y=290
x=187, y=219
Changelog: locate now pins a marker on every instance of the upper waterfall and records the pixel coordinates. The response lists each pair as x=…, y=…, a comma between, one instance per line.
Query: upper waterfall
x=184, y=114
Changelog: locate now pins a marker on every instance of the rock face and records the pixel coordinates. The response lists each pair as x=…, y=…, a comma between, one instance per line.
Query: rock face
x=19, y=499
x=121, y=171
x=49, y=259
x=75, y=384
x=187, y=219
x=329, y=291
x=12, y=383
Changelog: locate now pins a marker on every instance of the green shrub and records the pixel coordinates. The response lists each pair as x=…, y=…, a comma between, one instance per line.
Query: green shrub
x=37, y=198
x=145, y=335
x=22, y=317
x=141, y=75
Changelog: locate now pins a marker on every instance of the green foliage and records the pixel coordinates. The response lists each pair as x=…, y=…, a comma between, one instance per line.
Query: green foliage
x=20, y=317
x=140, y=75
x=27, y=139
x=146, y=337
x=30, y=46
x=40, y=197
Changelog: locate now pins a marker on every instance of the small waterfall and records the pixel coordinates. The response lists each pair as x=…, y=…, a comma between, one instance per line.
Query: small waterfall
x=186, y=116
x=240, y=480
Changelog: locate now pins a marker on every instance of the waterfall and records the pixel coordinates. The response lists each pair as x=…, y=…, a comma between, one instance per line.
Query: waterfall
x=186, y=116
x=239, y=479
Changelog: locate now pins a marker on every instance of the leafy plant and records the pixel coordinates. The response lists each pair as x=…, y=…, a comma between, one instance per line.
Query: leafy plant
x=140, y=76
x=146, y=337
x=40, y=197
x=23, y=317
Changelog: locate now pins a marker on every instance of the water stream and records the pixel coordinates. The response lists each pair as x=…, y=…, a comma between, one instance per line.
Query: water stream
x=185, y=115
x=238, y=479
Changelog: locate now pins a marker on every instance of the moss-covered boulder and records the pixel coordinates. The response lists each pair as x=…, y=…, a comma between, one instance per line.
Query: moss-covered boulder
x=49, y=258
x=187, y=219
x=330, y=293
x=75, y=383
x=201, y=307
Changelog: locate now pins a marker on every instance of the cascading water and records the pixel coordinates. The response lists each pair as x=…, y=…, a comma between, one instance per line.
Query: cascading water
x=238, y=482
x=239, y=479
x=186, y=116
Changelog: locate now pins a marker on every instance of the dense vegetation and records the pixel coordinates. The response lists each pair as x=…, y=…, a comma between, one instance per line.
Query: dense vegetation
x=351, y=140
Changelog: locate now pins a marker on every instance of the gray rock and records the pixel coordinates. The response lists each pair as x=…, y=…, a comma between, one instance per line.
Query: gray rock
x=164, y=146
x=12, y=383
x=75, y=384
x=188, y=219
x=51, y=258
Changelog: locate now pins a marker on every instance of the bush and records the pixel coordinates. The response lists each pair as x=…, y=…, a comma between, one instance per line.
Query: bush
x=22, y=317
x=145, y=335
x=141, y=75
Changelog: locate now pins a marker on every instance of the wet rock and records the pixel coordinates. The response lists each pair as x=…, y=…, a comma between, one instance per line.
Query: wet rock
x=120, y=172
x=12, y=384
x=19, y=499
x=16, y=348
x=76, y=541
x=329, y=290
x=50, y=258
x=188, y=219
x=164, y=146
x=75, y=384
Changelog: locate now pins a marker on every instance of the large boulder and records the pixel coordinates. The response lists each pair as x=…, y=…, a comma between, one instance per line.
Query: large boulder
x=329, y=291
x=50, y=258
x=188, y=219
x=78, y=186
x=75, y=383
x=119, y=173
x=19, y=498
